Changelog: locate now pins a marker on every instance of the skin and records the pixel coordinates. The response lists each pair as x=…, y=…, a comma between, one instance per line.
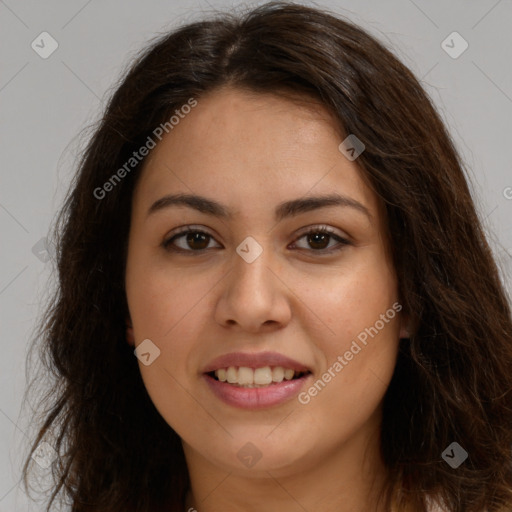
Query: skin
x=250, y=152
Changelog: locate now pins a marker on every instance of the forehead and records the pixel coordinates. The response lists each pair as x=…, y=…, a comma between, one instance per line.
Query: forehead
x=254, y=147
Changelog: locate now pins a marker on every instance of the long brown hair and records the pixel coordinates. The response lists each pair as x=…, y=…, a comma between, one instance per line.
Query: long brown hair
x=452, y=381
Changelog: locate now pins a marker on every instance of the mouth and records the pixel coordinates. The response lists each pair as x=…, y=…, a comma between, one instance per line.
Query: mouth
x=256, y=380
x=263, y=377
x=248, y=388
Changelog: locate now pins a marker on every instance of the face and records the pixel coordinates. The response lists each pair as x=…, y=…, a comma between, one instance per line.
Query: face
x=248, y=282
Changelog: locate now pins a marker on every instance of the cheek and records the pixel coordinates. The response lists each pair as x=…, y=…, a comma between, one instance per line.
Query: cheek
x=170, y=314
x=162, y=298
x=358, y=364
x=169, y=307
x=362, y=313
x=352, y=300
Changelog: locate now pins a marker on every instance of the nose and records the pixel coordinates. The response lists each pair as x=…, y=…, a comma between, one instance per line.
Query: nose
x=254, y=296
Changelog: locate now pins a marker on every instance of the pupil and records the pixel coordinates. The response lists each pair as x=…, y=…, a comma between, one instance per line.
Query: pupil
x=314, y=238
x=193, y=237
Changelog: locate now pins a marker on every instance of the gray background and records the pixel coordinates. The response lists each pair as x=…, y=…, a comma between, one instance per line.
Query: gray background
x=46, y=104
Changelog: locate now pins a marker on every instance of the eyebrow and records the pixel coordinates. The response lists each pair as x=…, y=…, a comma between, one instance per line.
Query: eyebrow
x=283, y=210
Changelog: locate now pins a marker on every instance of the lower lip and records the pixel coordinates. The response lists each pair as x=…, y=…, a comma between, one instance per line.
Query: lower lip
x=256, y=398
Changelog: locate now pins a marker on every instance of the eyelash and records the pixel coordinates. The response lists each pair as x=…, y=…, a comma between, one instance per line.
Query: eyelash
x=166, y=244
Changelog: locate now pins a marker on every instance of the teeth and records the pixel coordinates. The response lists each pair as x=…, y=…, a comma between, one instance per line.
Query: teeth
x=262, y=376
x=254, y=378
x=232, y=375
x=278, y=374
x=288, y=374
x=246, y=376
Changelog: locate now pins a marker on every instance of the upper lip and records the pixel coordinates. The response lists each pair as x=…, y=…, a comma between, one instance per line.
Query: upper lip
x=254, y=360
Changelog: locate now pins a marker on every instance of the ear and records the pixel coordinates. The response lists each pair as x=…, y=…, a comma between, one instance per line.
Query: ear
x=129, y=332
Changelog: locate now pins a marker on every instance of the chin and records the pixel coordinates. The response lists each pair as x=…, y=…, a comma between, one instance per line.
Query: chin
x=251, y=456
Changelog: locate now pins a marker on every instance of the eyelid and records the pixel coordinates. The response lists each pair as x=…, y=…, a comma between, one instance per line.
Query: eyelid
x=320, y=227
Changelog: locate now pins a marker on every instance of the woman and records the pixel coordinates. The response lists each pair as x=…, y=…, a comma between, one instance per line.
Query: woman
x=274, y=290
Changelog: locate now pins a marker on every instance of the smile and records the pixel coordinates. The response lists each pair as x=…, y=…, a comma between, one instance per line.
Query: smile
x=255, y=377
x=244, y=395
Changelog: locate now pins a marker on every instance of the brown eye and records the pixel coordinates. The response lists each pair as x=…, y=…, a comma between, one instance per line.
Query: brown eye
x=197, y=240
x=192, y=240
x=318, y=239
